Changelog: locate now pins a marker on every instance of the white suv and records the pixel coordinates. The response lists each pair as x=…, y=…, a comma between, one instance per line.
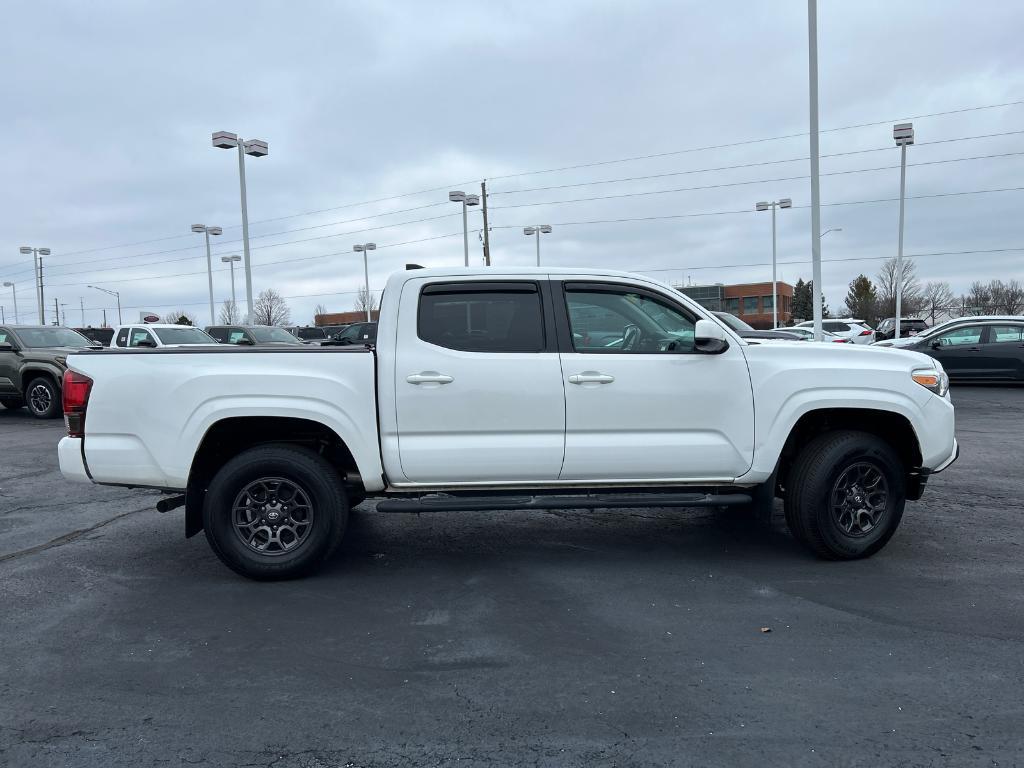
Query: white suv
x=855, y=331
x=159, y=335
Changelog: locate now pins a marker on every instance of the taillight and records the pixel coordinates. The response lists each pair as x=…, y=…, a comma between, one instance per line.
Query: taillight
x=865, y=333
x=77, y=387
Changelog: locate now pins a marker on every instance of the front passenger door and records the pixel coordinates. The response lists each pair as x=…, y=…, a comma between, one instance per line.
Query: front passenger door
x=9, y=364
x=959, y=351
x=640, y=402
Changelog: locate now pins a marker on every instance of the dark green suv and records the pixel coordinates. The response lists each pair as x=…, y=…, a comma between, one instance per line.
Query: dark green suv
x=32, y=364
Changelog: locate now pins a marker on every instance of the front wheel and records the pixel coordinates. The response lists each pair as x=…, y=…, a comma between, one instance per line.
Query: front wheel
x=43, y=398
x=275, y=512
x=845, y=495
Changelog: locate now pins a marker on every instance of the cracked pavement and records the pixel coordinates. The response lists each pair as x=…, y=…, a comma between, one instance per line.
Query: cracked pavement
x=609, y=638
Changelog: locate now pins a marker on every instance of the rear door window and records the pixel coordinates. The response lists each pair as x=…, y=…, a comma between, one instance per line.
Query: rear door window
x=220, y=334
x=1006, y=334
x=122, y=338
x=482, y=317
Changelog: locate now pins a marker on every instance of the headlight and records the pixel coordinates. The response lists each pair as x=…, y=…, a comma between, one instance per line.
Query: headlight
x=934, y=379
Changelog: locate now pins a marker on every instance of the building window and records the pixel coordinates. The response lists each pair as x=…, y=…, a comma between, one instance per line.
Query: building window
x=732, y=305
x=766, y=302
x=750, y=305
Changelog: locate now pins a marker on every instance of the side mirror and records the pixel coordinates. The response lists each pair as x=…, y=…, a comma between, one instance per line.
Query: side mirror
x=6, y=346
x=710, y=338
x=936, y=344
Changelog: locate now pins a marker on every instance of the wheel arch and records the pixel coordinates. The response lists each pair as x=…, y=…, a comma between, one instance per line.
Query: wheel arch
x=229, y=436
x=891, y=426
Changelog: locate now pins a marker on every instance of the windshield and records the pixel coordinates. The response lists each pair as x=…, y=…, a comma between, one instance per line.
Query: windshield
x=183, y=335
x=264, y=334
x=52, y=337
x=310, y=333
x=733, y=322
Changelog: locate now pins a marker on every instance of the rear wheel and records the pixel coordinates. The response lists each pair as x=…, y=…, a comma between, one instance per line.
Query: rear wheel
x=43, y=398
x=275, y=512
x=845, y=495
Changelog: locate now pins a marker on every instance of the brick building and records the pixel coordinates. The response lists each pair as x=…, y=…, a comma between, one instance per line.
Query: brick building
x=751, y=302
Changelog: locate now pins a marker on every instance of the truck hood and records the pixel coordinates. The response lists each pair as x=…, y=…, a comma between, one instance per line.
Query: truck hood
x=841, y=356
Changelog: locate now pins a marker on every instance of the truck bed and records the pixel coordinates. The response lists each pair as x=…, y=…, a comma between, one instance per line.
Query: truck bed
x=143, y=441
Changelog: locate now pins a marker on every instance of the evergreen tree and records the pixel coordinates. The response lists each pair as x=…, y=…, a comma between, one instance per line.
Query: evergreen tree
x=801, y=306
x=862, y=300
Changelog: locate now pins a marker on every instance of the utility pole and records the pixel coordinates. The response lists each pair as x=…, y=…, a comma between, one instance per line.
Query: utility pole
x=81, y=305
x=42, y=298
x=487, y=234
x=104, y=317
x=56, y=312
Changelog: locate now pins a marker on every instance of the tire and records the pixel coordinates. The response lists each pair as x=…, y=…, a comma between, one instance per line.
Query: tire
x=12, y=403
x=830, y=505
x=278, y=474
x=42, y=396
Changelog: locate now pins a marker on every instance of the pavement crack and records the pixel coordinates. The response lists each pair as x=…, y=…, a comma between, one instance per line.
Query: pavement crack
x=67, y=538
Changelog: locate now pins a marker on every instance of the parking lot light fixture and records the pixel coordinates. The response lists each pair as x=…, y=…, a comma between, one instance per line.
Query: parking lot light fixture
x=537, y=230
x=903, y=135
x=363, y=248
x=458, y=196
x=15, y=297
x=116, y=294
x=231, y=260
x=253, y=148
x=207, y=231
x=772, y=205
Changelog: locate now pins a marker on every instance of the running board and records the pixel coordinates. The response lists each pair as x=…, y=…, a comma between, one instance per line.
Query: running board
x=446, y=503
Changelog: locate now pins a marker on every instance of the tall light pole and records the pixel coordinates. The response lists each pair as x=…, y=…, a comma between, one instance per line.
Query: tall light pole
x=363, y=248
x=112, y=293
x=903, y=133
x=830, y=229
x=783, y=203
x=231, y=260
x=457, y=196
x=253, y=148
x=207, y=231
x=37, y=264
x=15, y=297
x=536, y=231
x=812, y=80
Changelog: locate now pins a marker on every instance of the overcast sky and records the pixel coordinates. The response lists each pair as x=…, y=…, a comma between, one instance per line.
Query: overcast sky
x=109, y=108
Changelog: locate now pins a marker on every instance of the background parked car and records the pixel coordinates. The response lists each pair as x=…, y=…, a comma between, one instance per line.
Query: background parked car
x=807, y=334
x=252, y=335
x=159, y=335
x=307, y=334
x=935, y=329
x=977, y=351
x=746, y=332
x=909, y=326
x=856, y=331
x=100, y=335
x=331, y=330
x=32, y=364
x=357, y=333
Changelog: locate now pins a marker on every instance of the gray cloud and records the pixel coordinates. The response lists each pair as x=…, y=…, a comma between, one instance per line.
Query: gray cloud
x=111, y=107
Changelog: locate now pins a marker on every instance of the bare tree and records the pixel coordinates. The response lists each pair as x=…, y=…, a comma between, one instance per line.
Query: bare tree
x=937, y=299
x=271, y=309
x=887, y=281
x=318, y=310
x=1007, y=298
x=180, y=317
x=979, y=298
x=229, y=314
x=365, y=302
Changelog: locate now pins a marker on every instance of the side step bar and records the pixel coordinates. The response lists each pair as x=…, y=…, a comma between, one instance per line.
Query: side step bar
x=446, y=503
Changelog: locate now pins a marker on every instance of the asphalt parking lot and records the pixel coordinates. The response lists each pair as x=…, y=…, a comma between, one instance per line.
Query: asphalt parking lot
x=623, y=637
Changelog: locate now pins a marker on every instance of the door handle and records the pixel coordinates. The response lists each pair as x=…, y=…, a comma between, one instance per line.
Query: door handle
x=591, y=377
x=429, y=377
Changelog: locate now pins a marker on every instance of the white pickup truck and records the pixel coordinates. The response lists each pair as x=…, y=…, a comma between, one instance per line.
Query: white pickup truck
x=506, y=389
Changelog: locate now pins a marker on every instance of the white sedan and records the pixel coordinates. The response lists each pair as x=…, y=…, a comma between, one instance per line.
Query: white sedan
x=808, y=335
x=856, y=331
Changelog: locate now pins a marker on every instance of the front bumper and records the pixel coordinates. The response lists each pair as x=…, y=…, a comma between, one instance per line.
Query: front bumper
x=72, y=461
x=952, y=457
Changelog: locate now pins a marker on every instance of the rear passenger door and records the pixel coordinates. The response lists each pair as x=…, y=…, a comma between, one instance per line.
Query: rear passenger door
x=478, y=384
x=1003, y=351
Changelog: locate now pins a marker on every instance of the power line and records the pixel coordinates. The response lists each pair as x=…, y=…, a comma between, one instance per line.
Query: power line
x=744, y=165
x=755, y=141
x=563, y=168
x=649, y=193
